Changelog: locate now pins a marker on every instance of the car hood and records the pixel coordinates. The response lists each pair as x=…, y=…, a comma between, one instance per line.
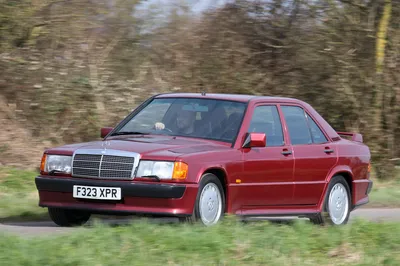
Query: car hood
x=147, y=146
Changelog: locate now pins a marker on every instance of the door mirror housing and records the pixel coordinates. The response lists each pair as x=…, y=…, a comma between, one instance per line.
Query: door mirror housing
x=254, y=140
x=104, y=131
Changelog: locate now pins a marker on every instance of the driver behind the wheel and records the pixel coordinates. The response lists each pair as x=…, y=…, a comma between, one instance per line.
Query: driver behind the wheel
x=184, y=122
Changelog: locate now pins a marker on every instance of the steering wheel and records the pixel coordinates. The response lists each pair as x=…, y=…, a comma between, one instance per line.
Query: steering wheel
x=164, y=128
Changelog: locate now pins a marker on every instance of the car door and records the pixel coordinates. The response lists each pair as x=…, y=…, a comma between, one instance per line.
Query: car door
x=268, y=171
x=314, y=154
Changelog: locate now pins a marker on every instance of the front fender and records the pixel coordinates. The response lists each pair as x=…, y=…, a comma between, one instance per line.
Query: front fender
x=217, y=167
x=231, y=172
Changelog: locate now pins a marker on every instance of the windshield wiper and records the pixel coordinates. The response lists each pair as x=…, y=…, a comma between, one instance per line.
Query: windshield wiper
x=130, y=133
x=54, y=172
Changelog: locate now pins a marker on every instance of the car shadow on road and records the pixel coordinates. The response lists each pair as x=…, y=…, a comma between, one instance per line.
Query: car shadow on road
x=126, y=221
x=45, y=221
x=25, y=217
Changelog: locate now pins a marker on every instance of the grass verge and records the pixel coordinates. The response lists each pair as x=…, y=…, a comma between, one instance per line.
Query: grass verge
x=229, y=243
x=385, y=194
x=19, y=197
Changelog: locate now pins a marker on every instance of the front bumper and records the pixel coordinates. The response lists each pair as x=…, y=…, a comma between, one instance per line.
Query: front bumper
x=148, y=198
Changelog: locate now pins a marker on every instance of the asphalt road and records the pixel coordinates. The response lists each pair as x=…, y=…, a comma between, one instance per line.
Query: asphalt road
x=49, y=228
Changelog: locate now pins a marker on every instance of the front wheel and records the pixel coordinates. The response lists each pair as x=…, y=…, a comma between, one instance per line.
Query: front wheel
x=65, y=217
x=336, y=206
x=210, y=201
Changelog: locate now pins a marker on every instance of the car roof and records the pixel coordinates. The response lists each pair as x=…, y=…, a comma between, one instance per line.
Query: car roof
x=230, y=97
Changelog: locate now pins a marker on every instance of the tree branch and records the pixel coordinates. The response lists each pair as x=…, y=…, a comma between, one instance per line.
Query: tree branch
x=351, y=2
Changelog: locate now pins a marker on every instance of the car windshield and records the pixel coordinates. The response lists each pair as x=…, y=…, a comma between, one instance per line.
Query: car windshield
x=190, y=117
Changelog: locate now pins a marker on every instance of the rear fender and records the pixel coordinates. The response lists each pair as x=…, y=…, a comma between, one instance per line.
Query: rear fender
x=337, y=169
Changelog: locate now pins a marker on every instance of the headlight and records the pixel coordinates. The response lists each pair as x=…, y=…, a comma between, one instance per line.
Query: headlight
x=163, y=170
x=59, y=163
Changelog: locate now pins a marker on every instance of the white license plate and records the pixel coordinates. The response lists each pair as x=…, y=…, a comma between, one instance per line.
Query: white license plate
x=105, y=193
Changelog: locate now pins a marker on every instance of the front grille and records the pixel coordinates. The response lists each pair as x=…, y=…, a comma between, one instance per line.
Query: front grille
x=88, y=157
x=103, y=166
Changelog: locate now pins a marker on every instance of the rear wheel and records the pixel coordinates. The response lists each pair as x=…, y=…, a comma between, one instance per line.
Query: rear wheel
x=210, y=202
x=65, y=217
x=336, y=206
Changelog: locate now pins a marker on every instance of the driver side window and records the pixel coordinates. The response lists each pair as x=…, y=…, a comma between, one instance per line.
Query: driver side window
x=266, y=120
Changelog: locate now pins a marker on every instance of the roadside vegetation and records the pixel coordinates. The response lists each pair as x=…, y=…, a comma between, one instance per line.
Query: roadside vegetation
x=68, y=68
x=18, y=195
x=229, y=243
x=386, y=194
x=19, y=198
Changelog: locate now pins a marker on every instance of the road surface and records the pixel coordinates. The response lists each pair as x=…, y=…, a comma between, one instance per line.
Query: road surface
x=49, y=228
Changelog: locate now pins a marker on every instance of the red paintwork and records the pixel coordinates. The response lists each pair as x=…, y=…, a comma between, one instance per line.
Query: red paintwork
x=258, y=140
x=131, y=204
x=271, y=183
x=354, y=136
x=104, y=131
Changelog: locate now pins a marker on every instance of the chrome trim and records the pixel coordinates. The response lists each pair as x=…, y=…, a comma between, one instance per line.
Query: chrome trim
x=103, y=152
x=104, y=169
x=99, y=161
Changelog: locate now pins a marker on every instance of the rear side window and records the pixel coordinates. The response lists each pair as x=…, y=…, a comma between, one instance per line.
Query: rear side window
x=297, y=125
x=317, y=134
x=266, y=120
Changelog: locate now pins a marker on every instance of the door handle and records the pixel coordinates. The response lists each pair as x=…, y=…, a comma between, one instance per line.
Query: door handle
x=327, y=150
x=287, y=152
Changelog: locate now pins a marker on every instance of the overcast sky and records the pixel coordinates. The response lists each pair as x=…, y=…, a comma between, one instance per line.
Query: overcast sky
x=196, y=5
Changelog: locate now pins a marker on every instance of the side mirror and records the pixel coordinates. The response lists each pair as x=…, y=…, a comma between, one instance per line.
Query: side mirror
x=104, y=131
x=254, y=139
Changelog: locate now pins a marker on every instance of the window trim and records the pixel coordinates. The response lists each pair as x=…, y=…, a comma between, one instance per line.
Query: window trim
x=276, y=105
x=306, y=115
x=309, y=125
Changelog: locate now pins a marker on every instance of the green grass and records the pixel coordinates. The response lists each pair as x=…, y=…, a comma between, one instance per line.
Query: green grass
x=385, y=194
x=19, y=197
x=229, y=243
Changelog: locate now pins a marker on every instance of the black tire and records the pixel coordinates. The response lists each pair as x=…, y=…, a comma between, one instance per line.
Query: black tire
x=324, y=218
x=67, y=218
x=206, y=179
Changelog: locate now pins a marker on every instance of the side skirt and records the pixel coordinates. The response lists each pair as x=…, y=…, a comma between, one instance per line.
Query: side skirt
x=292, y=211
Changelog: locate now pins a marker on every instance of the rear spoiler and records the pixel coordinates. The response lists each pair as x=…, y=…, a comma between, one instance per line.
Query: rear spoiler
x=354, y=136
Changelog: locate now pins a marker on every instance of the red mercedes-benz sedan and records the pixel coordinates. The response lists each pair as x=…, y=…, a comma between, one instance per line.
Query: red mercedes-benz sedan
x=200, y=156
